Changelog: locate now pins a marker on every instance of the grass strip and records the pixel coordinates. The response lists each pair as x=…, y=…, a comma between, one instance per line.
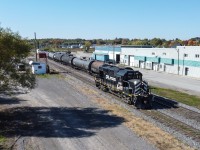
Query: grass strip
x=184, y=98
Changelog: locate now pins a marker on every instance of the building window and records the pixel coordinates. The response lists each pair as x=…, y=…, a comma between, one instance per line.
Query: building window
x=153, y=53
x=164, y=54
x=185, y=55
x=197, y=55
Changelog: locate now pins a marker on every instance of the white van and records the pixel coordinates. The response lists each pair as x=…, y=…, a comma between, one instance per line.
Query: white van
x=38, y=68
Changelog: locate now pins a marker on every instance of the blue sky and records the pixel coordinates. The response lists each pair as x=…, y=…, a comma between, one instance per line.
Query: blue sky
x=106, y=19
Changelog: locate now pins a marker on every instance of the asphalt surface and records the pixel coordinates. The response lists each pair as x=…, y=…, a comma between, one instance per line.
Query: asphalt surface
x=56, y=116
x=165, y=80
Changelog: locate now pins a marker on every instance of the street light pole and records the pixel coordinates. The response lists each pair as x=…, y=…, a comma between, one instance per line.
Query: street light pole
x=178, y=60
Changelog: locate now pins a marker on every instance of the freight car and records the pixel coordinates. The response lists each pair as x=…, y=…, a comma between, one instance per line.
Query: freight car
x=82, y=64
x=95, y=67
x=123, y=82
x=51, y=55
x=67, y=59
x=58, y=55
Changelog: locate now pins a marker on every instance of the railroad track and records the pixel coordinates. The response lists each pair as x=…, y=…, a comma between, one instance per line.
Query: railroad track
x=185, y=121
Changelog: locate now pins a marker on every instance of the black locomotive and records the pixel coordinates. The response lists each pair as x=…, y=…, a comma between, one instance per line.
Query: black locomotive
x=126, y=83
x=123, y=82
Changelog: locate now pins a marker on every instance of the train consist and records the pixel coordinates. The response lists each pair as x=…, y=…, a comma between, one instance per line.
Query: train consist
x=123, y=82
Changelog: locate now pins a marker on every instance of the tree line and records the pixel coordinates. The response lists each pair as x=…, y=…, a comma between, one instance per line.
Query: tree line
x=156, y=42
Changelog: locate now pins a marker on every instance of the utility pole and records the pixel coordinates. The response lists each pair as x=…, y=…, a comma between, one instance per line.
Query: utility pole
x=113, y=54
x=35, y=46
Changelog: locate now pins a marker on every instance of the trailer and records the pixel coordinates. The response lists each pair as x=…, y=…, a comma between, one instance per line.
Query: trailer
x=38, y=68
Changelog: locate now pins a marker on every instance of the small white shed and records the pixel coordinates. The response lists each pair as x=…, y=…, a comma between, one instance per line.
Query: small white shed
x=38, y=68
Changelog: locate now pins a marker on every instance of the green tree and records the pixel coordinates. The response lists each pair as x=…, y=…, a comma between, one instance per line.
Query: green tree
x=125, y=41
x=100, y=42
x=87, y=46
x=156, y=42
x=13, y=50
x=140, y=42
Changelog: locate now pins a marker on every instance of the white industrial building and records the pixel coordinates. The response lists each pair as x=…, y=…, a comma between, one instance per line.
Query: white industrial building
x=182, y=60
x=112, y=51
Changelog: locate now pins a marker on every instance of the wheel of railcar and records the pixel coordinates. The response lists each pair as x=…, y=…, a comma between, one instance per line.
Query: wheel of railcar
x=120, y=95
x=134, y=99
x=103, y=88
x=129, y=100
x=137, y=102
x=98, y=85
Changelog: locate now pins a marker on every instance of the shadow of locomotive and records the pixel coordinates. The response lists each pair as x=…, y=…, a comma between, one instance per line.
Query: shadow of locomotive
x=164, y=103
x=55, y=121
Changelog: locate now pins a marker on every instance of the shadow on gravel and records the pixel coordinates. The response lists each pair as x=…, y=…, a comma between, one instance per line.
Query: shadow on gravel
x=164, y=103
x=4, y=101
x=59, y=72
x=55, y=122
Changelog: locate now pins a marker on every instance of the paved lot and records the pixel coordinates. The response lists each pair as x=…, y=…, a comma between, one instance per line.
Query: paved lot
x=82, y=54
x=56, y=116
x=181, y=83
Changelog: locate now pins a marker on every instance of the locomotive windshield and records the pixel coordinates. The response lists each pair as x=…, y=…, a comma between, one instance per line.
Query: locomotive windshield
x=130, y=76
x=134, y=75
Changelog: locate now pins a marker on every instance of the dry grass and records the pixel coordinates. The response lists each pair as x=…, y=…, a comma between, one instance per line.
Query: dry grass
x=161, y=139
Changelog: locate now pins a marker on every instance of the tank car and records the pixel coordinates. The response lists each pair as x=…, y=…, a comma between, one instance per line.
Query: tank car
x=66, y=59
x=58, y=55
x=51, y=55
x=125, y=83
x=82, y=64
x=95, y=67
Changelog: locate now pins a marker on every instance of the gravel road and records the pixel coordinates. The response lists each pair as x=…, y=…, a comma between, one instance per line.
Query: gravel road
x=56, y=116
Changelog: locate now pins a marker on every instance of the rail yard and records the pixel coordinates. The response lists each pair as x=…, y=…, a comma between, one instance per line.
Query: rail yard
x=69, y=107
